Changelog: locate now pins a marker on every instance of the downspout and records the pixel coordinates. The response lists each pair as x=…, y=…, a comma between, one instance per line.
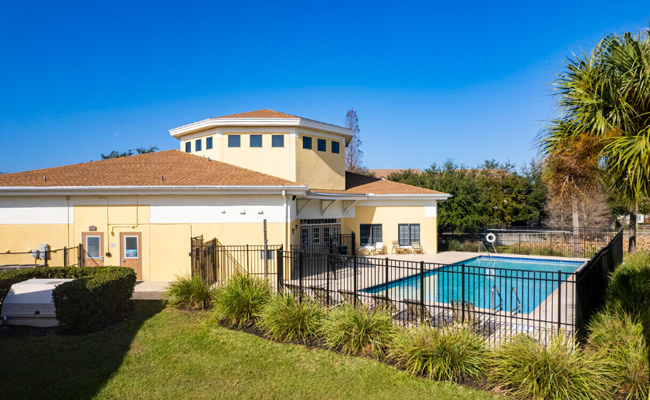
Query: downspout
x=286, y=219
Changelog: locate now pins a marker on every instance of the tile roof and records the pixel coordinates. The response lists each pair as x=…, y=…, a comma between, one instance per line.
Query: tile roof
x=176, y=168
x=383, y=173
x=265, y=113
x=363, y=184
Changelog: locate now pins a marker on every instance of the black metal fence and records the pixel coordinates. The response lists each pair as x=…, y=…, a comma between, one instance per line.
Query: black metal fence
x=561, y=242
x=214, y=262
x=593, y=278
x=498, y=301
x=63, y=257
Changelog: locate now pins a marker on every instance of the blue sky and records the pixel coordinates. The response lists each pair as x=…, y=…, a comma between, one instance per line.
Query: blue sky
x=430, y=81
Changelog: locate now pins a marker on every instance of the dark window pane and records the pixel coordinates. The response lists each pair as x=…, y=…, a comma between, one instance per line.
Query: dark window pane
x=376, y=234
x=322, y=145
x=208, y=143
x=403, y=235
x=197, y=145
x=415, y=233
x=92, y=246
x=188, y=147
x=306, y=142
x=335, y=147
x=365, y=235
x=234, y=141
x=277, y=141
x=256, y=140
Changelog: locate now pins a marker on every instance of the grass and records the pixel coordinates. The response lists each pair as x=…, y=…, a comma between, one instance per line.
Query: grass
x=286, y=319
x=241, y=300
x=357, y=330
x=190, y=292
x=165, y=353
x=560, y=371
x=442, y=354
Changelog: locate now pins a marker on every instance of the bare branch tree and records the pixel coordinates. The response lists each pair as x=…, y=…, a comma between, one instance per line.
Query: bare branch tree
x=353, y=153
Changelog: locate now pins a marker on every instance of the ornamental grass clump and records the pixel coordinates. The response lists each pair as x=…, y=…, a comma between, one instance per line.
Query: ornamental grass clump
x=190, y=292
x=451, y=354
x=287, y=319
x=614, y=336
x=560, y=370
x=629, y=288
x=358, y=331
x=240, y=301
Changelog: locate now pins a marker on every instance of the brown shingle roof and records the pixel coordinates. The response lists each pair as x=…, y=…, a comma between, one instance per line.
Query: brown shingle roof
x=383, y=172
x=363, y=184
x=177, y=169
x=265, y=113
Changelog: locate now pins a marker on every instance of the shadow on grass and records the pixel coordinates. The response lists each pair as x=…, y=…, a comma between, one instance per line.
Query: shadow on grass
x=67, y=366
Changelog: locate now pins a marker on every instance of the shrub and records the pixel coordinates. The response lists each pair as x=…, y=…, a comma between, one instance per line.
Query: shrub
x=8, y=278
x=240, y=301
x=629, y=288
x=450, y=354
x=615, y=337
x=190, y=293
x=285, y=318
x=98, y=296
x=357, y=330
x=94, y=301
x=559, y=371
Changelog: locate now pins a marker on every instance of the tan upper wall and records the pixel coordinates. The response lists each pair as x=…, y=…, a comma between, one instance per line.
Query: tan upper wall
x=320, y=169
x=317, y=169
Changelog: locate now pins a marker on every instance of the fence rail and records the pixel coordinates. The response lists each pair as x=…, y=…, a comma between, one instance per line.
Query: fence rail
x=553, y=241
x=63, y=257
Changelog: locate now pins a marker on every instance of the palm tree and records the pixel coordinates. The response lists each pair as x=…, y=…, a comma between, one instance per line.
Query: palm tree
x=572, y=169
x=606, y=94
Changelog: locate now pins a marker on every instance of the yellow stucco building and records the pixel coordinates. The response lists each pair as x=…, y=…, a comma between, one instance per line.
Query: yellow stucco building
x=230, y=175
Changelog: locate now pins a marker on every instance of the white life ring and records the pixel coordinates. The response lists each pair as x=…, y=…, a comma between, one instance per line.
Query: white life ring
x=491, y=237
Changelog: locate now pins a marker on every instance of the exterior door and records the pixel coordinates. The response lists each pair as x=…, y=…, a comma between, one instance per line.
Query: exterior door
x=93, y=244
x=131, y=251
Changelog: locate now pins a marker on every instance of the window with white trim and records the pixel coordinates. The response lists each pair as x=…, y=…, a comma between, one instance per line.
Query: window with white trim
x=408, y=233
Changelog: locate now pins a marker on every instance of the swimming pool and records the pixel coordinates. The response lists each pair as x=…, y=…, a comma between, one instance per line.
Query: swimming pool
x=499, y=283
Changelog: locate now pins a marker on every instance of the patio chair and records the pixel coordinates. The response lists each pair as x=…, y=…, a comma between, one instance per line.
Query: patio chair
x=415, y=309
x=322, y=295
x=458, y=307
x=386, y=304
x=397, y=249
x=380, y=248
x=416, y=247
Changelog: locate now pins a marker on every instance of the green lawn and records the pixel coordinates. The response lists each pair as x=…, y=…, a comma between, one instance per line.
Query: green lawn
x=162, y=353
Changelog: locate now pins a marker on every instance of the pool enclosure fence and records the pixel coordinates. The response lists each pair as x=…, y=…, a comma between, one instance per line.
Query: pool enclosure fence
x=496, y=302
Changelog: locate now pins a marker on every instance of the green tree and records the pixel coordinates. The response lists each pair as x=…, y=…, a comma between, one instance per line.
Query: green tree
x=138, y=150
x=606, y=94
x=492, y=194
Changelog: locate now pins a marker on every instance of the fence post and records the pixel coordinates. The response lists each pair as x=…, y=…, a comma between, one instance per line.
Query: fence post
x=65, y=256
x=422, y=291
x=280, y=263
x=550, y=236
x=462, y=298
x=80, y=255
x=328, y=278
x=354, y=267
x=354, y=245
x=387, y=281
x=559, y=300
x=300, y=262
x=247, y=262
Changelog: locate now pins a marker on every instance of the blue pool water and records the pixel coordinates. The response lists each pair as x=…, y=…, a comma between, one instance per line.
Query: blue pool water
x=532, y=280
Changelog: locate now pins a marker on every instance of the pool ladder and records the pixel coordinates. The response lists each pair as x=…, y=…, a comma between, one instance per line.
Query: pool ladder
x=486, y=250
x=495, y=290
